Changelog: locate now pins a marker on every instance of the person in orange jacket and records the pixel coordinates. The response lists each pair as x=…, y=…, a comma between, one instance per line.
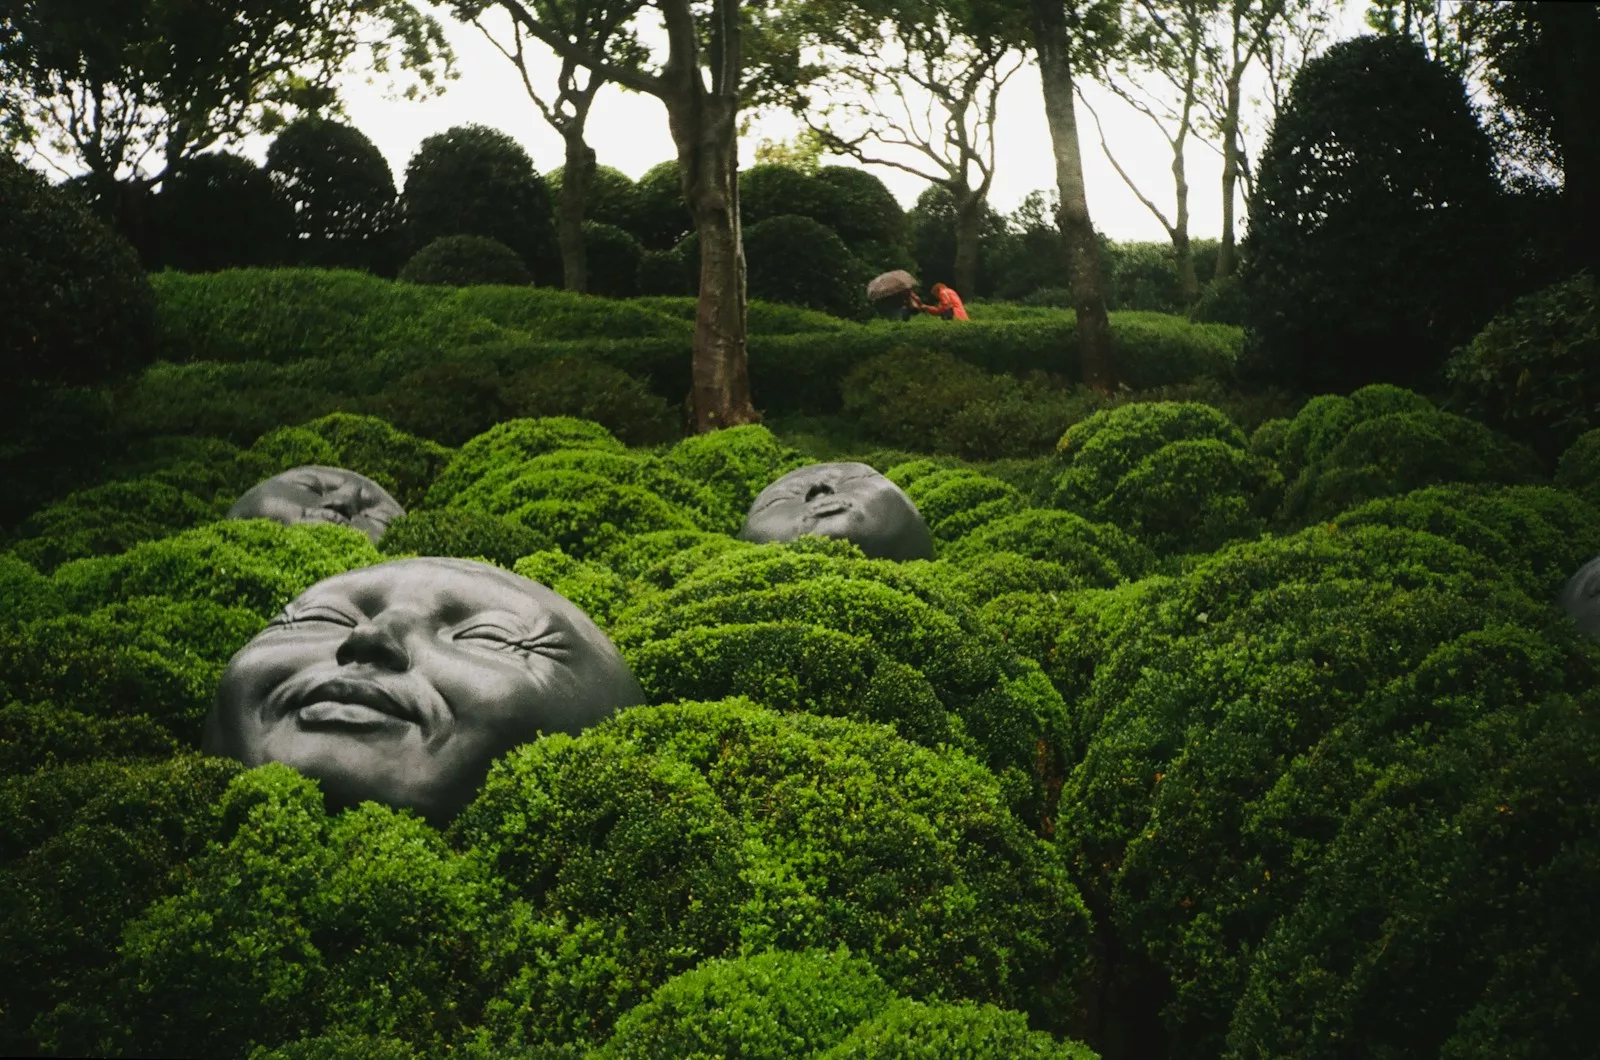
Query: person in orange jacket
x=948, y=305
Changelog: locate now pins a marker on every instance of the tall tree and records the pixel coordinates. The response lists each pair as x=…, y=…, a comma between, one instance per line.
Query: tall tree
x=131, y=89
x=957, y=57
x=703, y=80
x=1163, y=38
x=601, y=28
x=1054, y=36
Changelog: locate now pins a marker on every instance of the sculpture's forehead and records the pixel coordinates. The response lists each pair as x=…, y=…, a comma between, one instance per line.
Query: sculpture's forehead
x=450, y=590
x=313, y=476
x=837, y=472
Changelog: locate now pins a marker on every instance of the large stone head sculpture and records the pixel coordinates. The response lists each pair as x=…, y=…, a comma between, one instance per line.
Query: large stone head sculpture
x=403, y=682
x=846, y=500
x=1580, y=597
x=320, y=494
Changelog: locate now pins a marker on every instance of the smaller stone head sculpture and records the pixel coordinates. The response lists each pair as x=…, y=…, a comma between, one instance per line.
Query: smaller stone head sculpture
x=1580, y=597
x=403, y=682
x=845, y=500
x=314, y=493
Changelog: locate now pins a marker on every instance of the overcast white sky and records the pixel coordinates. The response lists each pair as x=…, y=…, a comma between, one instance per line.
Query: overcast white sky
x=629, y=131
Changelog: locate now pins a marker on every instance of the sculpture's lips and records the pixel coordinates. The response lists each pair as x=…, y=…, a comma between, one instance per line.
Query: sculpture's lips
x=345, y=703
x=827, y=508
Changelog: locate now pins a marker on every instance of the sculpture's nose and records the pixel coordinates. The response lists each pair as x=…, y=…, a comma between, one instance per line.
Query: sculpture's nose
x=821, y=489
x=346, y=500
x=379, y=641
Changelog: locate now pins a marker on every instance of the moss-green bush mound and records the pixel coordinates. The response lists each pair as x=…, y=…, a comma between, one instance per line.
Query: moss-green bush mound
x=768, y=1007
x=511, y=442
x=365, y=924
x=736, y=464
x=401, y=463
x=1579, y=467
x=461, y=261
x=461, y=533
x=957, y=501
x=906, y=1029
x=108, y=519
x=83, y=849
x=998, y=705
x=1099, y=553
x=672, y=834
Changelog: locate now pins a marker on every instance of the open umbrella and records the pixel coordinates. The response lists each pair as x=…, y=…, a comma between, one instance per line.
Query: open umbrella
x=899, y=281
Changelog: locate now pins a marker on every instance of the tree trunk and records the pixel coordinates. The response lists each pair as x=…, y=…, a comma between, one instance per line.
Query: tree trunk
x=1088, y=297
x=576, y=177
x=969, y=223
x=703, y=127
x=1230, y=179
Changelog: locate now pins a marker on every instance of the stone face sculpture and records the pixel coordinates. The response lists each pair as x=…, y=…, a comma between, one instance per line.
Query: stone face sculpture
x=320, y=494
x=403, y=682
x=1580, y=597
x=845, y=500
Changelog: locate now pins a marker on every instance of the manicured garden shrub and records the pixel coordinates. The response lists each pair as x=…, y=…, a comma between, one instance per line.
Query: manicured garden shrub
x=920, y=1030
x=1579, y=467
x=448, y=401
x=464, y=261
x=284, y=315
x=1534, y=370
x=80, y=309
x=662, y=558
x=24, y=592
x=37, y=736
x=611, y=198
x=761, y=317
x=248, y=563
x=933, y=400
x=1323, y=422
x=864, y=213
x=221, y=211
x=1392, y=950
x=1400, y=452
x=598, y=591
x=612, y=257
x=151, y=657
x=548, y=315
x=798, y=261
x=663, y=218
x=1194, y=496
x=736, y=464
x=471, y=180
x=1535, y=535
x=512, y=442
x=1100, y=553
x=789, y=666
x=206, y=467
x=401, y=463
x=84, y=848
x=772, y=1006
x=1267, y=440
x=981, y=578
x=1100, y=451
x=341, y=194
x=714, y=828
x=661, y=274
x=958, y=501
x=462, y=533
x=589, y=390
x=1008, y=713
x=1374, y=239
x=364, y=924
x=108, y=519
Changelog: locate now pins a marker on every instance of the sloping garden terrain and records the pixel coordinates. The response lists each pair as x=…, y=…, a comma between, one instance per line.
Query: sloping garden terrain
x=1220, y=726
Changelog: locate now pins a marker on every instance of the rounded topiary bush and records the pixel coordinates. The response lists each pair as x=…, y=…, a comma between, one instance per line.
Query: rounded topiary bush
x=672, y=834
x=80, y=308
x=340, y=193
x=510, y=443
x=590, y=390
x=1534, y=369
x=613, y=257
x=1100, y=553
x=958, y=501
x=107, y=519
x=905, y=1029
x=799, y=261
x=1579, y=467
x=463, y=533
x=464, y=261
x=401, y=463
x=1097, y=452
x=736, y=464
x=221, y=211
x=773, y=1006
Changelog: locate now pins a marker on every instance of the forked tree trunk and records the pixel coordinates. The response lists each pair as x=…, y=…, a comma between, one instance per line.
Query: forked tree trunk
x=969, y=225
x=1088, y=292
x=703, y=126
x=576, y=177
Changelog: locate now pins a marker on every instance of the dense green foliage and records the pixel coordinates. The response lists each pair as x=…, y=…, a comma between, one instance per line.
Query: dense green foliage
x=1374, y=238
x=466, y=261
x=472, y=180
x=1535, y=369
x=221, y=211
x=342, y=193
x=799, y=261
x=78, y=305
